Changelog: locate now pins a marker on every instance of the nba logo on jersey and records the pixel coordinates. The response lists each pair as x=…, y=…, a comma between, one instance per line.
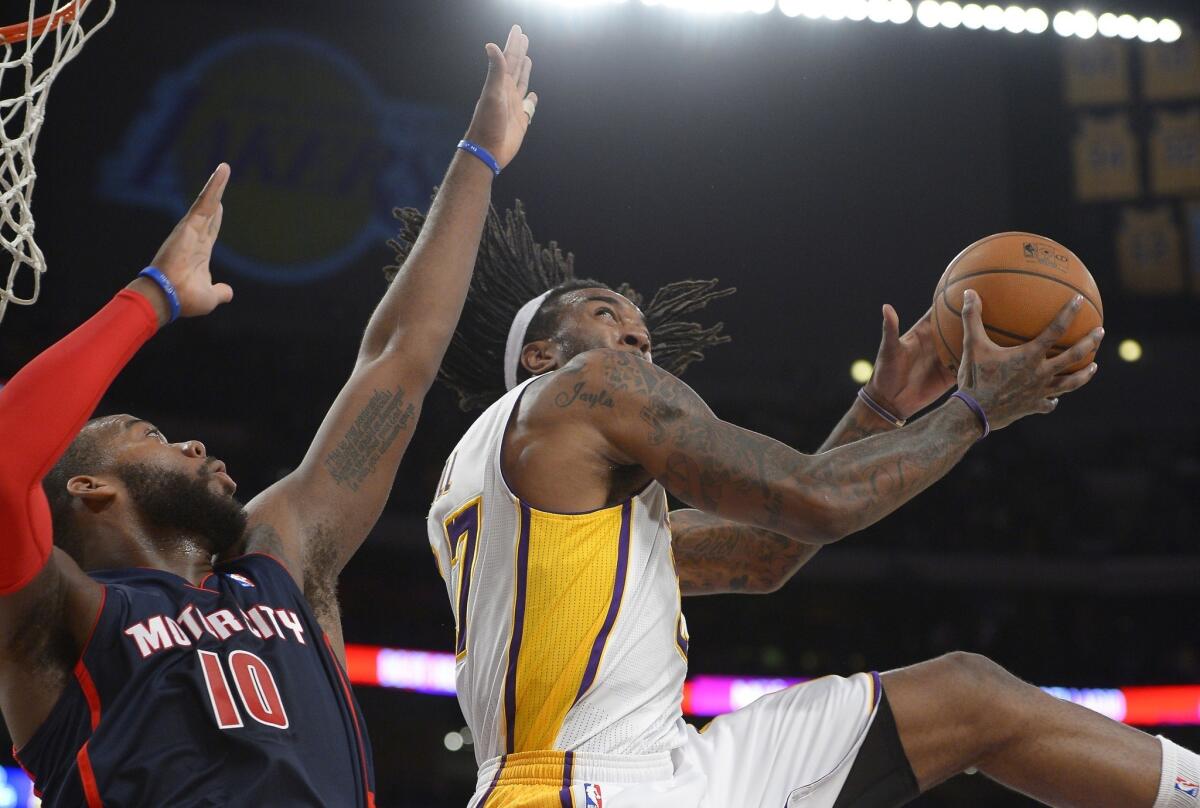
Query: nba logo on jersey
x=592, y=797
x=1187, y=787
x=241, y=579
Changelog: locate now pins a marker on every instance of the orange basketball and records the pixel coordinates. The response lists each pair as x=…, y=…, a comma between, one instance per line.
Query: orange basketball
x=1023, y=281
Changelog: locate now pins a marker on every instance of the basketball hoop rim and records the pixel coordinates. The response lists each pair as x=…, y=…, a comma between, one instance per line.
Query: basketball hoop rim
x=21, y=31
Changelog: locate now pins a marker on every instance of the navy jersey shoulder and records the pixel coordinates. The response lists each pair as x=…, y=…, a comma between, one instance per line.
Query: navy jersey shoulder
x=223, y=694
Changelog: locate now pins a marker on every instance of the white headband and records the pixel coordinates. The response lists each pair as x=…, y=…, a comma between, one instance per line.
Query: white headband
x=516, y=338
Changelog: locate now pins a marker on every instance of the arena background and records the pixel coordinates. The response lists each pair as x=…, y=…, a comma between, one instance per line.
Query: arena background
x=823, y=168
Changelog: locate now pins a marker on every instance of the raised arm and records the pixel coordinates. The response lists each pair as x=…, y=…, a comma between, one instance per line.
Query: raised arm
x=908, y=377
x=661, y=425
x=47, y=604
x=318, y=515
x=715, y=555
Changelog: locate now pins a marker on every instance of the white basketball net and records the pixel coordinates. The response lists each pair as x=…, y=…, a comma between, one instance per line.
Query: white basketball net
x=21, y=118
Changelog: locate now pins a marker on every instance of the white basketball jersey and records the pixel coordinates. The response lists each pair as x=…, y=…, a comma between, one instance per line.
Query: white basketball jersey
x=569, y=634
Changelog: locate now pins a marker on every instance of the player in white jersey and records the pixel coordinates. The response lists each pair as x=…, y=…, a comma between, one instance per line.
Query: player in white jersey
x=551, y=530
x=598, y=663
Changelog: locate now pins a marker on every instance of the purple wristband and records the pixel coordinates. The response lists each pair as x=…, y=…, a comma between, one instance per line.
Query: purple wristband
x=879, y=409
x=967, y=399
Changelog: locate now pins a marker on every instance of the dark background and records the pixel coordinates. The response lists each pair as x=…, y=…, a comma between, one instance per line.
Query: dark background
x=822, y=168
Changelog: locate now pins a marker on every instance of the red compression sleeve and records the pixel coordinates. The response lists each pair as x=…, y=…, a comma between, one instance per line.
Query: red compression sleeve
x=42, y=409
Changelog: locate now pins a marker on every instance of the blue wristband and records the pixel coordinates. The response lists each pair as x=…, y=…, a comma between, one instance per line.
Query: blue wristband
x=168, y=289
x=482, y=153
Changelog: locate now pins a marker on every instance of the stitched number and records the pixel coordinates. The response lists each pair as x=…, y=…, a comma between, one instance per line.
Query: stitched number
x=256, y=689
x=462, y=533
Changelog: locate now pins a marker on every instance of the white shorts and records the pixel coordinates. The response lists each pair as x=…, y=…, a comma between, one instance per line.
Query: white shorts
x=791, y=749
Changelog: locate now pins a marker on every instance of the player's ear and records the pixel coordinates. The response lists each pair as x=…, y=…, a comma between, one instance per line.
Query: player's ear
x=95, y=493
x=540, y=357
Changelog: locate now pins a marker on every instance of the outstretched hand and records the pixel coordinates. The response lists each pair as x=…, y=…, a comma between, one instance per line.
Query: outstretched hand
x=506, y=107
x=1010, y=383
x=184, y=257
x=908, y=375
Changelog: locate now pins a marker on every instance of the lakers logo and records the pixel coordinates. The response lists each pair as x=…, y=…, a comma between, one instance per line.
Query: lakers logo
x=319, y=157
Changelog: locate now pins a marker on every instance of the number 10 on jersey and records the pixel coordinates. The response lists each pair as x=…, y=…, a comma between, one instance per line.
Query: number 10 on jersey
x=256, y=688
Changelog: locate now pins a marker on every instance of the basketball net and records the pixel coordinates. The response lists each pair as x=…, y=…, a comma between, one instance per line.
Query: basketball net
x=51, y=40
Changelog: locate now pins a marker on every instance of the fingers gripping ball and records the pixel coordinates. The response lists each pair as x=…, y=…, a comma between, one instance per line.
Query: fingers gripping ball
x=1023, y=281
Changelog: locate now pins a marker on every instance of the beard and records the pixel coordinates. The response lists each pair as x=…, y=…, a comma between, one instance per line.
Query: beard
x=174, y=500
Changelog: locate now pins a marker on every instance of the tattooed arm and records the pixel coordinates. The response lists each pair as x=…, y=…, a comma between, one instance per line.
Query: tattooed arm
x=714, y=555
x=318, y=515
x=659, y=424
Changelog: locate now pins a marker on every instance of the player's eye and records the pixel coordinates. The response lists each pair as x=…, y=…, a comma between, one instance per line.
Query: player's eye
x=606, y=310
x=154, y=432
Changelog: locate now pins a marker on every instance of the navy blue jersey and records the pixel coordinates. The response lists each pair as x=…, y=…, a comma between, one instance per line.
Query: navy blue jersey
x=225, y=694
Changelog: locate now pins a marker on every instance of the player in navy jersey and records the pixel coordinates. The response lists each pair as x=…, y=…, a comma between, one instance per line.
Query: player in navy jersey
x=135, y=668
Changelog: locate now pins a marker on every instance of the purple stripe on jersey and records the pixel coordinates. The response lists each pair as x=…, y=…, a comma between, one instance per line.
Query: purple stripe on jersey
x=514, y=645
x=466, y=522
x=878, y=688
x=564, y=796
x=614, y=605
x=680, y=640
x=492, y=787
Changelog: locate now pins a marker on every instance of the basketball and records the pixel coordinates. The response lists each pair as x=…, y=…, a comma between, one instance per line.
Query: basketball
x=1023, y=280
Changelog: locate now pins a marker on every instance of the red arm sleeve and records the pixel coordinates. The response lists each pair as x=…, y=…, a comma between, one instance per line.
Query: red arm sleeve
x=42, y=409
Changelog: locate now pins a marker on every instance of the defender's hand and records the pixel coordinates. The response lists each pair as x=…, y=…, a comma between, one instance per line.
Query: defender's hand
x=908, y=376
x=184, y=256
x=1010, y=383
x=506, y=107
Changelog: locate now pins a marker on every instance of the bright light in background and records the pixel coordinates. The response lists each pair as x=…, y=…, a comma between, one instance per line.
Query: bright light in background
x=1036, y=21
x=1130, y=350
x=952, y=14
x=1014, y=19
x=794, y=8
x=931, y=14
x=834, y=10
x=856, y=10
x=715, y=6
x=453, y=741
x=861, y=370
x=1085, y=24
x=993, y=18
x=1064, y=23
x=972, y=16
x=1148, y=30
x=900, y=12
x=877, y=10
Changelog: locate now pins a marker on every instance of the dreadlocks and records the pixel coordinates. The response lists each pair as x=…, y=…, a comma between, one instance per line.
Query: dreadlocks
x=511, y=270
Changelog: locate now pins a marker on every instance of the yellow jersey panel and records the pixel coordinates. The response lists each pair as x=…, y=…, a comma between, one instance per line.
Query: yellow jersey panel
x=570, y=578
